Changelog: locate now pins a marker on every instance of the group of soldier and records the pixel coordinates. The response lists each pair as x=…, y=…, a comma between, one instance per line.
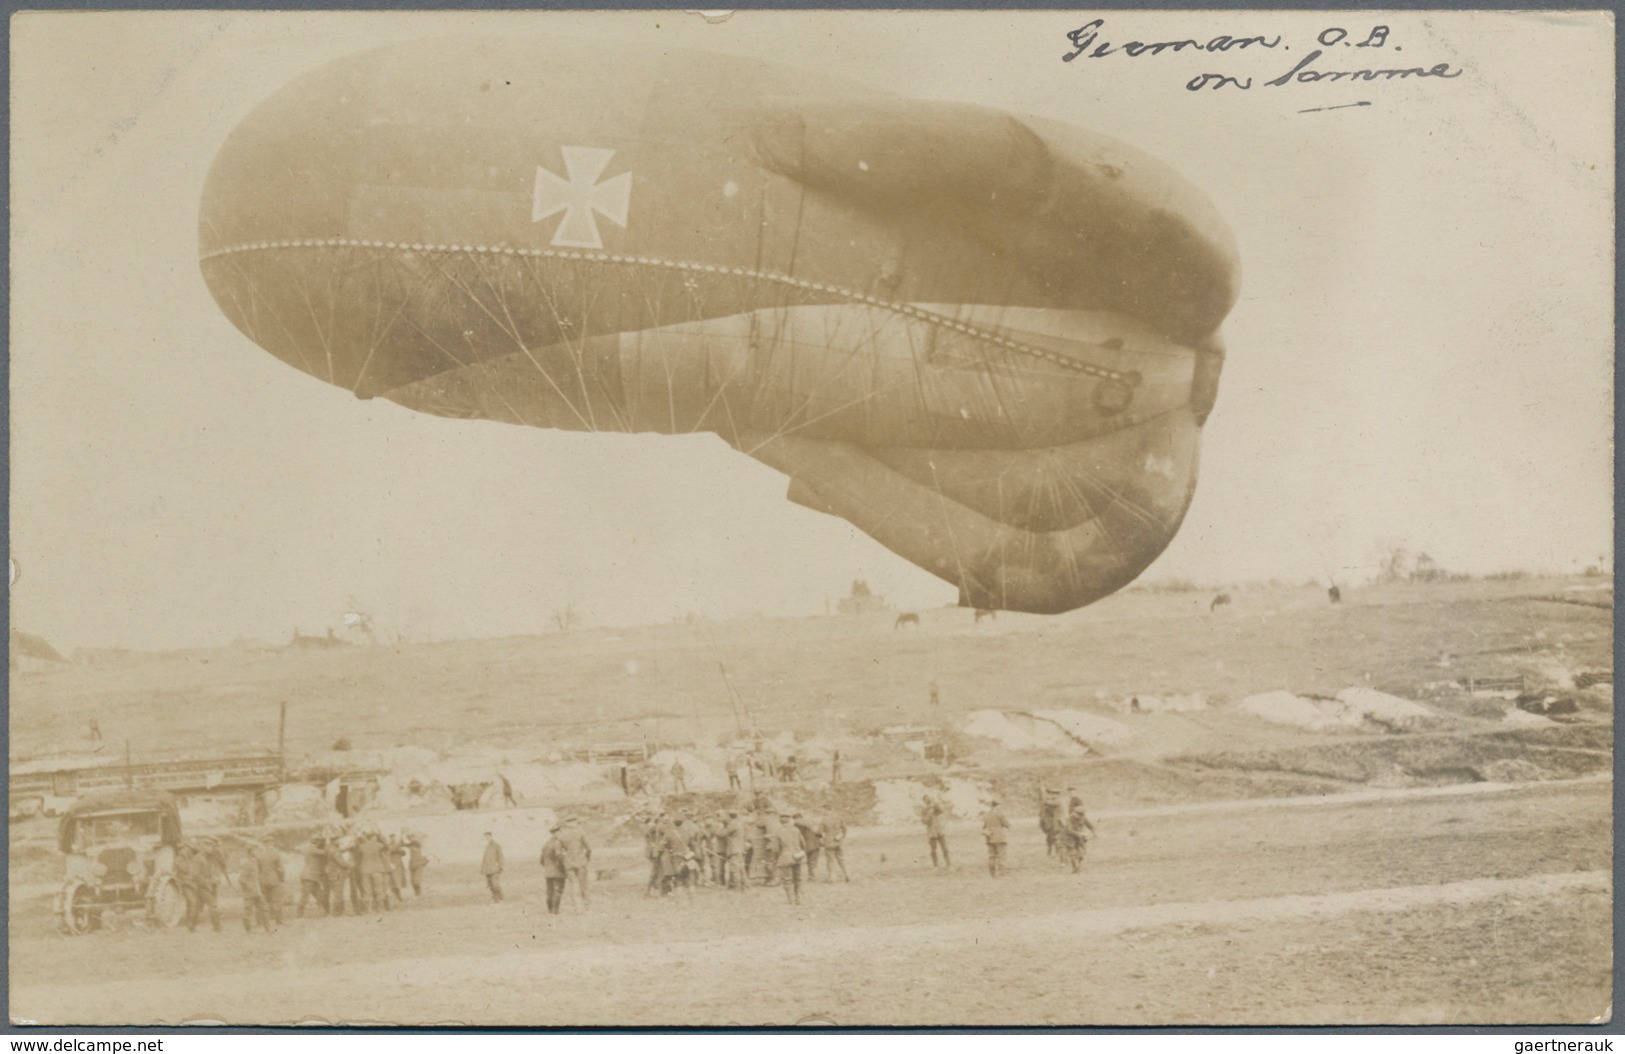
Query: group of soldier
x=364, y=867
x=1065, y=824
x=765, y=846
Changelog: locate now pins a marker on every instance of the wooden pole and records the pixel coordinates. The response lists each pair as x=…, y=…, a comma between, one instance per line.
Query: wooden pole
x=129, y=770
x=282, y=737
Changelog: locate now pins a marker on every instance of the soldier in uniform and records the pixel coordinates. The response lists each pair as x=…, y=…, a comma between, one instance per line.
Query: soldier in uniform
x=832, y=833
x=205, y=871
x=272, y=880
x=373, y=856
x=1078, y=832
x=313, y=878
x=811, y=842
x=767, y=847
x=1051, y=819
x=932, y=812
x=491, y=867
x=416, y=861
x=651, y=850
x=554, y=872
x=733, y=773
x=996, y=829
x=577, y=858
x=340, y=865
x=784, y=843
x=185, y=878
x=397, y=868
x=672, y=849
x=358, y=878
x=248, y=884
x=734, y=840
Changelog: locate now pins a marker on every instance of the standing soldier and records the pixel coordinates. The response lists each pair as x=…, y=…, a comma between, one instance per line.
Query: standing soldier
x=768, y=847
x=734, y=839
x=679, y=776
x=577, y=856
x=811, y=843
x=313, y=878
x=733, y=773
x=1051, y=818
x=358, y=878
x=835, y=766
x=416, y=861
x=272, y=880
x=397, y=867
x=932, y=812
x=651, y=851
x=206, y=872
x=1078, y=832
x=833, y=835
x=185, y=878
x=784, y=843
x=340, y=868
x=995, y=828
x=373, y=856
x=248, y=884
x=554, y=873
x=491, y=867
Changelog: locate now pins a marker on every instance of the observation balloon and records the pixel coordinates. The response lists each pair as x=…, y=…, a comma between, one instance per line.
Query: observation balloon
x=989, y=341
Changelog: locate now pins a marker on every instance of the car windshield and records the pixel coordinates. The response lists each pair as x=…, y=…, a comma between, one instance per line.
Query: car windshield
x=116, y=827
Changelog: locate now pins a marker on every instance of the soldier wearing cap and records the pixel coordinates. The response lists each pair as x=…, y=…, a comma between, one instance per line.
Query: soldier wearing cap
x=996, y=829
x=491, y=867
x=416, y=862
x=577, y=858
x=832, y=836
x=313, y=878
x=554, y=871
x=812, y=841
x=185, y=878
x=373, y=857
x=1078, y=832
x=784, y=843
x=734, y=842
x=206, y=868
x=932, y=812
x=341, y=874
x=272, y=879
x=253, y=893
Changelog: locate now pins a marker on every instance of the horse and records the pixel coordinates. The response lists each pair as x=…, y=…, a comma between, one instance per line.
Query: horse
x=982, y=613
x=1222, y=600
x=907, y=618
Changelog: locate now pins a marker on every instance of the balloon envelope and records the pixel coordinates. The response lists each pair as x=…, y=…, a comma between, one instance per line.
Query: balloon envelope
x=988, y=341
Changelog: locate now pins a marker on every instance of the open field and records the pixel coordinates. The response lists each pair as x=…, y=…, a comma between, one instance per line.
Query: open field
x=808, y=675
x=1248, y=870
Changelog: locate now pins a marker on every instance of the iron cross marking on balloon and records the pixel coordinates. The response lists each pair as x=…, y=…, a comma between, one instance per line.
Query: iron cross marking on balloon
x=581, y=195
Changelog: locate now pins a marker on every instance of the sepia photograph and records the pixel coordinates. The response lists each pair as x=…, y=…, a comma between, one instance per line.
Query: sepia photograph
x=811, y=518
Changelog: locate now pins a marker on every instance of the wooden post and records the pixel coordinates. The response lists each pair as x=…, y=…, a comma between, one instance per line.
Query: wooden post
x=282, y=738
x=129, y=770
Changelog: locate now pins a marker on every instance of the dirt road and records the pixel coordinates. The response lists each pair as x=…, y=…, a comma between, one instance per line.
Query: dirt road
x=1400, y=907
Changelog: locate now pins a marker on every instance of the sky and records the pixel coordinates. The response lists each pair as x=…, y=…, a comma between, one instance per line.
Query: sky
x=1421, y=354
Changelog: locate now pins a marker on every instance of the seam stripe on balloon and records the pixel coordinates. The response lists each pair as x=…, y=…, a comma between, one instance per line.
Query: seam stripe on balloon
x=680, y=265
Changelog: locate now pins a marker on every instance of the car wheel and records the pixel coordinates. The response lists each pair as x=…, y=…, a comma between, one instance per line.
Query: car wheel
x=80, y=912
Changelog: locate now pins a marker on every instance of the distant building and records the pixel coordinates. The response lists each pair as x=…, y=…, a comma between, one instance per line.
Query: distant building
x=245, y=780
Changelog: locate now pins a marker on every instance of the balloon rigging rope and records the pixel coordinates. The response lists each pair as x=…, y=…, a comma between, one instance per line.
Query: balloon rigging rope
x=1065, y=362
